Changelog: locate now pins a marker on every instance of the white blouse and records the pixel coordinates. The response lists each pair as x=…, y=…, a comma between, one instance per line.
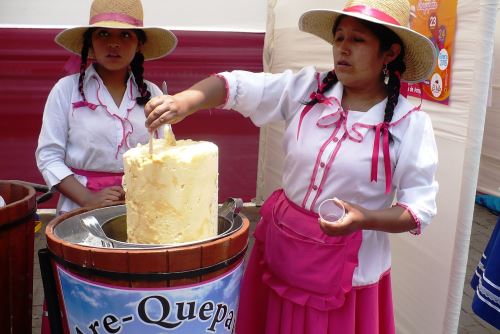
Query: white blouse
x=90, y=137
x=329, y=152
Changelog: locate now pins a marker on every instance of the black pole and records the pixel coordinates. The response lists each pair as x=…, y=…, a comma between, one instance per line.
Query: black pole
x=50, y=291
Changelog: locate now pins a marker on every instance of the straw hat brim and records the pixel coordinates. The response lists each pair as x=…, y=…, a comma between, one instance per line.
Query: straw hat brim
x=159, y=41
x=420, y=53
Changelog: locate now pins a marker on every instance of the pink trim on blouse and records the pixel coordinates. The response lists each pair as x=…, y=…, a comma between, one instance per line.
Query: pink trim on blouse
x=316, y=166
x=341, y=122
x=338, y=119
x=123, y=121
x=382, y=129
x=81, y=104
x=321, y=99
x=226, y=87
x=418, y=229
x=327, y=168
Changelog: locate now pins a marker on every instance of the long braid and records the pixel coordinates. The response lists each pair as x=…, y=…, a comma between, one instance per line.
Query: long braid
x=328, y=82
x=138, y=70
x=395, y=68
x=87, y=42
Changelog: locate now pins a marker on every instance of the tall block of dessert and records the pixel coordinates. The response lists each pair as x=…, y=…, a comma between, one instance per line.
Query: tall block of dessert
x=171, y=194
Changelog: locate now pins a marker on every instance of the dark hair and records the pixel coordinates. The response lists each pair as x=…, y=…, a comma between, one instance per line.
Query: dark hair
x=136, y=66
x=386, y=38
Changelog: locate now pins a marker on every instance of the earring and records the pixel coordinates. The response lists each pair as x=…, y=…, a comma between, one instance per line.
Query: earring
x=385, y=72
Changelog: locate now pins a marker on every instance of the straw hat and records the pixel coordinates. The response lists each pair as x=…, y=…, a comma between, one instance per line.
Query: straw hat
x=420, y=54
x=120, y=14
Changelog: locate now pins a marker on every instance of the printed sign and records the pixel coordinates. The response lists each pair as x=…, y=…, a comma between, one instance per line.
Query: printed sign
x=209, y=307
x=435, y=19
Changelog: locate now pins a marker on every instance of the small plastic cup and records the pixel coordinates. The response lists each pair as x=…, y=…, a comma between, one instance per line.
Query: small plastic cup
x=331, y=211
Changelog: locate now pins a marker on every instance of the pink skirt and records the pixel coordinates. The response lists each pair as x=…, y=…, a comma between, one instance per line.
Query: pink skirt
x=298, y=290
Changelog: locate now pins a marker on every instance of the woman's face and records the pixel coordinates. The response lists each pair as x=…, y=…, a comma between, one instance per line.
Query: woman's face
x=357, y=56
x=114, y=49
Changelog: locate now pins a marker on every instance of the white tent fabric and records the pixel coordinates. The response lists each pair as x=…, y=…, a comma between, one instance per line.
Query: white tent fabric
x=213, y=15
x=428, y=270
x=489, y=169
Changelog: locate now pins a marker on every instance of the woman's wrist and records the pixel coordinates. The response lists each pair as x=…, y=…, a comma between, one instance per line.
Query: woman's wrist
x=393, y=220
x=86, y=197
x=368, y=221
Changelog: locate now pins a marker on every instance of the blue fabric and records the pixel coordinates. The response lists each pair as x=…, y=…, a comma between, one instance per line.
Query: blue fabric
x=486, y=281
x=489, y=201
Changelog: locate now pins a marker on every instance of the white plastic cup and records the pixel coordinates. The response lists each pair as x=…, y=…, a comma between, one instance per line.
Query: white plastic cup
x=331, y=210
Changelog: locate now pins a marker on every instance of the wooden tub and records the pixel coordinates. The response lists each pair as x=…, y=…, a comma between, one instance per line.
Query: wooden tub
x=148, y=280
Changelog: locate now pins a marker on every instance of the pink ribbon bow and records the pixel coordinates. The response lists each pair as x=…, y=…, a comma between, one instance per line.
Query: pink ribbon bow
x=314, y=96
x=81, y=104
x=320, y=98
x=384, y=128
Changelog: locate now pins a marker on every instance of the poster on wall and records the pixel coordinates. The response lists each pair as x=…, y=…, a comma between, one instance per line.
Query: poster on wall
x=435, y=19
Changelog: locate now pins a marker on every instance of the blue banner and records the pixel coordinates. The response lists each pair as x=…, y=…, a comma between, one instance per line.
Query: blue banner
x=208, y=307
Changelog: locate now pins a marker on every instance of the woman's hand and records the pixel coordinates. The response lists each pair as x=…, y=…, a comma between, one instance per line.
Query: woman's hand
x=350, y=223
x=165, y=109
x=82, y=196
x=106, y=196
x=208, y=93
x=395, y=219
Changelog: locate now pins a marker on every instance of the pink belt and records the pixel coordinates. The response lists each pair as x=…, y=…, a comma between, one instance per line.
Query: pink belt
x=301, y=262
x=97, y=181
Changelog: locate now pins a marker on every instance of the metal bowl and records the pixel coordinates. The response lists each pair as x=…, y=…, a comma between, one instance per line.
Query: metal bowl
x=113, y=221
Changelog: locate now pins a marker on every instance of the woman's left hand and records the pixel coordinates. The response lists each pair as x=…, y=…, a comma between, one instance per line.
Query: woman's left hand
x=351, y=222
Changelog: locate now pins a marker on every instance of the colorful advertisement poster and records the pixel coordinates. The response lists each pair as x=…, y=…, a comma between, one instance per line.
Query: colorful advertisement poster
x=435, y=19
x=209, y=307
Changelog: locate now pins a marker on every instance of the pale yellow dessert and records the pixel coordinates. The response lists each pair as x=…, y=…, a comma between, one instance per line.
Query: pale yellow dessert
x=171, y=195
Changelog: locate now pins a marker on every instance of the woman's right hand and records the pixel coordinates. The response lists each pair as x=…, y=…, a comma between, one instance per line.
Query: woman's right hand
x=170, y=109
x=165, y=109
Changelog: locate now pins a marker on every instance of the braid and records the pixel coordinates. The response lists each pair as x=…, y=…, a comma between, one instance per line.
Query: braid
x=395, y=68
x=138, y=71
x=328, y=81
x=392, y=96
x=87, y=41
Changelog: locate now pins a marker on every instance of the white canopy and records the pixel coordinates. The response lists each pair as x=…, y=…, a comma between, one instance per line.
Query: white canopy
x=213, y=15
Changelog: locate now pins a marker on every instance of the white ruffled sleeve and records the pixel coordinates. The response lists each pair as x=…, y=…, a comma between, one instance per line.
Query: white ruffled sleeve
x=414, y=175
x=266, y=97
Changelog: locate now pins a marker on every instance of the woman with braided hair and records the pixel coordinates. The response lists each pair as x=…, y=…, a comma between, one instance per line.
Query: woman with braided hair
x=93, y=117
x=349, y=135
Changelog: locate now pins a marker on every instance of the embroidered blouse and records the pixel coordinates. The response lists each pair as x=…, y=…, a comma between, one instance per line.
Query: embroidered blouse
x=332, y=152
x=90, y=135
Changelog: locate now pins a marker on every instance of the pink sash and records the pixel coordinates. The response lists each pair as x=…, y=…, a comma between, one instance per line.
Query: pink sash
x=302, y=263
x=97, y=181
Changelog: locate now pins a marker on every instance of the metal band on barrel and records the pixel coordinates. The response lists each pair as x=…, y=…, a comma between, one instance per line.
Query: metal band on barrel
x=152, y=276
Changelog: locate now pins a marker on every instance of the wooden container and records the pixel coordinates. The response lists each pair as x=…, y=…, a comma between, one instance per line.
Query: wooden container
x=155, y=272
x=17, y=223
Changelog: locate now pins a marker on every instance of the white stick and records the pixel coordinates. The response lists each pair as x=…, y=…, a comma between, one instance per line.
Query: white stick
x=169, y=135
x=151, y=143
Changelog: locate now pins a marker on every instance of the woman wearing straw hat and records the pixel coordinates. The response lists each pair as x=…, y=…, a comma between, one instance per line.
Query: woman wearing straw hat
x=93, y=117
x=350, y=135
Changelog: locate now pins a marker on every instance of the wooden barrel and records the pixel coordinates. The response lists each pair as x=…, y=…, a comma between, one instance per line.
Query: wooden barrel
x=154, y=272
x=17, y=224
